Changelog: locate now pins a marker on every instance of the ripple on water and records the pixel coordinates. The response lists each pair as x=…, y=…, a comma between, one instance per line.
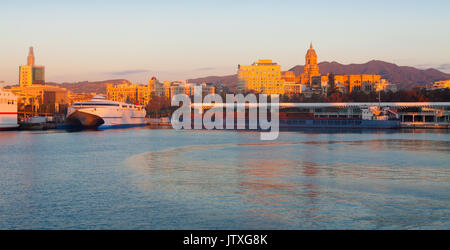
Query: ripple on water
x=165, y=179
x=273, y=181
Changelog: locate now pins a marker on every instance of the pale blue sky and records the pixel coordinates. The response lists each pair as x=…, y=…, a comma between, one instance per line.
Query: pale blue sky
x=176, y=40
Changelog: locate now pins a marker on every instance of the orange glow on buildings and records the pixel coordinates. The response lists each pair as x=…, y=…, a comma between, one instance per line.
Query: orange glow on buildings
x=265, y=76
x=141, y=94
x=311, y=68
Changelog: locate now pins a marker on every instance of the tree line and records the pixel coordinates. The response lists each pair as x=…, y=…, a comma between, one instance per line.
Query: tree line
x=414, y=95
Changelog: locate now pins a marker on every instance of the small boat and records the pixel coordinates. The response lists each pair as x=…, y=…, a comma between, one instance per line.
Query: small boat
x=37, y=123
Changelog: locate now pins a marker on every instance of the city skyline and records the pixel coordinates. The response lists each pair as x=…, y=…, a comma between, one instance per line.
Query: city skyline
x=79, y=41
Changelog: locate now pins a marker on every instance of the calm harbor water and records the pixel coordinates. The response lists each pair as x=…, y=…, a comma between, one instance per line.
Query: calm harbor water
x=165, y=179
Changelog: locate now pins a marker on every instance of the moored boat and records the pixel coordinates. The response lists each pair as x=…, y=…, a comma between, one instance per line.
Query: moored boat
x=102, y=113
x=370, y=118
x=8, y=110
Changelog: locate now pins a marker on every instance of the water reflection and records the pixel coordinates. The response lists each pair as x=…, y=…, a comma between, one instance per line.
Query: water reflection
x=165, y=179
x=285, y=181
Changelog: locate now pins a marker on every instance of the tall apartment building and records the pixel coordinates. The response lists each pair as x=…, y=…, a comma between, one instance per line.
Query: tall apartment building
x=263, y=77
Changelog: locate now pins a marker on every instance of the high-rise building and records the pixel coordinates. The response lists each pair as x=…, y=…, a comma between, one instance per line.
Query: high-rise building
x=263, y=77
x=31, y=74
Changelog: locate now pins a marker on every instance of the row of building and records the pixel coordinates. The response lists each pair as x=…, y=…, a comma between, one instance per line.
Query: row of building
x=267, y=77
x=35, y=97
x=445, y=84
x=263, y=76
x=438, y=85
x=142, y=94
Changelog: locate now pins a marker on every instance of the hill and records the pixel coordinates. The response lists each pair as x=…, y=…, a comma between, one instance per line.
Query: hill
x=407, y=77
x=98, y=87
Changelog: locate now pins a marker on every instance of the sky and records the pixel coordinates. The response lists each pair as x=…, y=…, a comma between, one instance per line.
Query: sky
x=177, y=40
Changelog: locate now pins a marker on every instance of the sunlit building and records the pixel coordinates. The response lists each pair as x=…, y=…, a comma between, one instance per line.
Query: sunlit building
x=445, y=84
x=33, y=95
x=292, y=85
x=41, y=99
x=182, y=87
x=385, y=85
x=363, y=82
x=290, y=77
x=206, y=89
x=157, y=87
x=141, y=94
x=80, y=97
x=128, y=93
x=31, y=74
x=263, y=76
x=311, y=68
x=318, y=83
x=292, y=89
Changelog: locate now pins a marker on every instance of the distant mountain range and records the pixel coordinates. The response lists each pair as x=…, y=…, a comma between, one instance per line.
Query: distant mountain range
x=407, y=77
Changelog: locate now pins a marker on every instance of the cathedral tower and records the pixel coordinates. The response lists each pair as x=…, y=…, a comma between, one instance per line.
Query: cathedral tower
x=311, y=68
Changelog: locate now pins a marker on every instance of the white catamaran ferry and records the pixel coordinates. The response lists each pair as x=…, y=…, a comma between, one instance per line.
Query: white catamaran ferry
x=102, y=113
x=8, y=110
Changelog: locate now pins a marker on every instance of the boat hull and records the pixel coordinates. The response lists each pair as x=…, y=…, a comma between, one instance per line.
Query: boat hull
x=90, y=119
x=83, y=120
x=9, y=127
